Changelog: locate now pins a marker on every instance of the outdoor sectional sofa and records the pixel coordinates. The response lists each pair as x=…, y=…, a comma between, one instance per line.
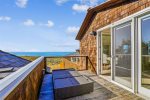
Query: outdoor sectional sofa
x=69, y=83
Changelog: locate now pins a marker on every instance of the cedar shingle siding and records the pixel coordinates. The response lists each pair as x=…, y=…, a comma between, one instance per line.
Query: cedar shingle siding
x=104, y=18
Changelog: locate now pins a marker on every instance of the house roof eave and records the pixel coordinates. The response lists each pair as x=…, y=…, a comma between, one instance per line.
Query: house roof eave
x=90, y=14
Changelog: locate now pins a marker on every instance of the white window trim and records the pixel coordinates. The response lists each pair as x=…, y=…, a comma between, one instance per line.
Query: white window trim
x=141, y=89
x=132, y=51
x=98, y=54
x=98, y=48
x=132, y=43
x=132, y=17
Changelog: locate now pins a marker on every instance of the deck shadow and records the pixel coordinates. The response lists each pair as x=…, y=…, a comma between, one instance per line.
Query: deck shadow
x=99, y=93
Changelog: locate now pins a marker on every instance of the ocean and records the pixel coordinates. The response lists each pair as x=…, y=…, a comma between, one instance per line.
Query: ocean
x=42, y=53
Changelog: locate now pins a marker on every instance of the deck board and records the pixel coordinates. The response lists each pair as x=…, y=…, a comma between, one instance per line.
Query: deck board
x=103, y=90
x=99, y=93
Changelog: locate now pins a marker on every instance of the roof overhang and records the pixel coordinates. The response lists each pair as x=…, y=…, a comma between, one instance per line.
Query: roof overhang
x=93, y=11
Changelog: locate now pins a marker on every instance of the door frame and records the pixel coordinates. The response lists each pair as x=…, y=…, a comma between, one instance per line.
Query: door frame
x=111, y=26
x=134, y=17
x=141, y=89
x=132, y=52
x=99, y=49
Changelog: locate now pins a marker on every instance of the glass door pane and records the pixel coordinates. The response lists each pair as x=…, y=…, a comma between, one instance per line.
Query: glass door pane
x=145, y=53
x=106, y=53
x=122, y=54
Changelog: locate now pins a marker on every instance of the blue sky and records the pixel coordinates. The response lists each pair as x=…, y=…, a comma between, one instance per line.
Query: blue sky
x=41, y=25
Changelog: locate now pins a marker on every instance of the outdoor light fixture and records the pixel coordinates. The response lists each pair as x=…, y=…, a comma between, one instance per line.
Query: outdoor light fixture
x=93, y=33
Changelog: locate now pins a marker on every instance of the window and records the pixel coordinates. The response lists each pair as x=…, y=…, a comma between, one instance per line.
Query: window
x=122, y=53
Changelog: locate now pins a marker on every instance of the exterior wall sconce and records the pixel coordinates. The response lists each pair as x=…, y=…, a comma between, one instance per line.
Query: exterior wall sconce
x=93, y=33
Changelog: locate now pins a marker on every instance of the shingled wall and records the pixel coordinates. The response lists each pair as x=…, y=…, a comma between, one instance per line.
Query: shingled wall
x=104, y=18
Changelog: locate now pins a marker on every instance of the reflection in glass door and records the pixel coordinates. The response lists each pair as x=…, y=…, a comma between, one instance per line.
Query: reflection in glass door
x=106, y=53
x=144, y=66
x=122, y=54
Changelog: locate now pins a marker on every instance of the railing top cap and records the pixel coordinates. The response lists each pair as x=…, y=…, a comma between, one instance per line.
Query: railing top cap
x=9, y=83
x=63, y=56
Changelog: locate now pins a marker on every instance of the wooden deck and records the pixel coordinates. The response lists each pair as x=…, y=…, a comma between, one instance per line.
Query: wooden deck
x=104, y=90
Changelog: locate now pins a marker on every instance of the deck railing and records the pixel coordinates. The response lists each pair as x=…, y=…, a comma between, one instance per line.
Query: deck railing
x=64, y=62
x=25, y=82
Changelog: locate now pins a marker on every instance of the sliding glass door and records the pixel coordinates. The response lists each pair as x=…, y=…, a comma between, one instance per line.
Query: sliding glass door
x=144, y=54
x=122, y=54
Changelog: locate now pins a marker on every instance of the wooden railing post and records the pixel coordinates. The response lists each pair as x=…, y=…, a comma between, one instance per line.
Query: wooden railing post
x=86, y=62
x=91, y=65
x=45, y=62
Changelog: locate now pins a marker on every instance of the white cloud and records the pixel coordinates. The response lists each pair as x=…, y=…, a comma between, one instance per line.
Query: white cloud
x=5, y=18
x=60, y=2
x=29, y=22
x=48, y=24
x=80, y=8
x=32, y=50
x=20, y=50
x=72, y=29
x=94, y=2
x=21, y=3
x=83, y=5
x=90, y=2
